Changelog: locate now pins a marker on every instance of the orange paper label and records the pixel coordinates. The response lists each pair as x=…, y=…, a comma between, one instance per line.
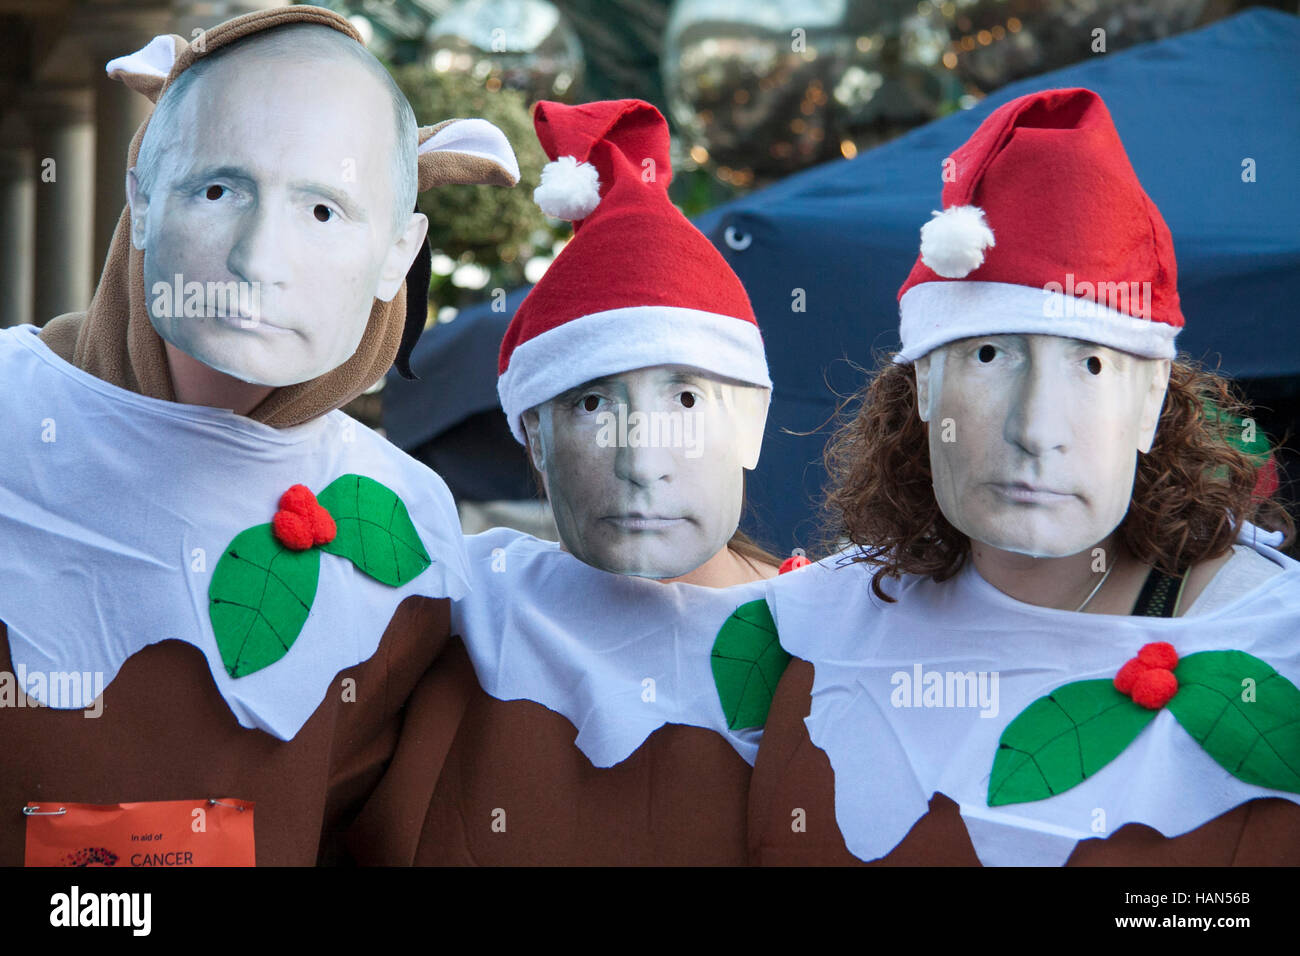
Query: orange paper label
x=163, y=833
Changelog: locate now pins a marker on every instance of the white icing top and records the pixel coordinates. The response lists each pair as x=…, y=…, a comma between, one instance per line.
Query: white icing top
x=1245, y=570
x=895, y=736
x=115, y=508
x=619, y=656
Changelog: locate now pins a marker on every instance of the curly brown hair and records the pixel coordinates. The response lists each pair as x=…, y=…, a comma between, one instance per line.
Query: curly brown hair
x=1189, y=493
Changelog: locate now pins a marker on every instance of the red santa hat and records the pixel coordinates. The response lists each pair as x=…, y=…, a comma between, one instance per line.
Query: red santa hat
x=1044, y=229
x=638, y=285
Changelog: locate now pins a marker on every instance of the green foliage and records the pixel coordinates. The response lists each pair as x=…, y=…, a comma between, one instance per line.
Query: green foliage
x=696, y=191
x=491, y=226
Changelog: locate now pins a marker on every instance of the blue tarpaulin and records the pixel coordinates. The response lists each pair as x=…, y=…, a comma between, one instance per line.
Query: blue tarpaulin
x=1211, y=124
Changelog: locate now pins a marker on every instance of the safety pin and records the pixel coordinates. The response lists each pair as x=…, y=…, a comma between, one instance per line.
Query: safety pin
x=213, y=802
x=33, y=812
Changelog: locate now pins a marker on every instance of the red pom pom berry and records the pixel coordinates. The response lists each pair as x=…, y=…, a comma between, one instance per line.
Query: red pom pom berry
x=1159, y=654
x=1154, y=688
x=301, y=521
x=323, y=528
x=299, y=500
x=793, y=562
x=1128, y=675
x=293, y=530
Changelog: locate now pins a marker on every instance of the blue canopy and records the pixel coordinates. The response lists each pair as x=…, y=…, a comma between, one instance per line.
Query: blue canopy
x=1192, y=110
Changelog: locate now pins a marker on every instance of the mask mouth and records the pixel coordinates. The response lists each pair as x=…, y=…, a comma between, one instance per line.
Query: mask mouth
x=641, y=522
x=249, y=323
x=1027, y=493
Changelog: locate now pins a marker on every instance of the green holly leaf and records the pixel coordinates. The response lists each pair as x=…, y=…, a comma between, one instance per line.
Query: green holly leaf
x=1060, y=740
x=259, y=598
x=374, y=530
x=748, y=661
x=1244, y=713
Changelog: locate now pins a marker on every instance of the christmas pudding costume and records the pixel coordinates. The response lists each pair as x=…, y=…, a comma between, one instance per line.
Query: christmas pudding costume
x=961, y=726
x=594, y=733
x=216, y=610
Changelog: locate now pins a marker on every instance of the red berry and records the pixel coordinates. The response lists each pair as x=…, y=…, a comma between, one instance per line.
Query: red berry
x=323, y=528
x=796, y=561
x=1128, y=675
x=299, y=500
x=293, y=530
x=1159, y=654
x=1155, y=687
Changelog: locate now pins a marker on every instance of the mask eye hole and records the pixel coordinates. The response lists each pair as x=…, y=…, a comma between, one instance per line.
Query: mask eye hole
x=322, y=212
x=1094, y=365
x=987, y=353
x=215, y=192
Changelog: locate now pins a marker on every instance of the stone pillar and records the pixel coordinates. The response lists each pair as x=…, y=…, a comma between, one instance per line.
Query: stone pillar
x=107, y=30
x=17, y=236
x=63, y=147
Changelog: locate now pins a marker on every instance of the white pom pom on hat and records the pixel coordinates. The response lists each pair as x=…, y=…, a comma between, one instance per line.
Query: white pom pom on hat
x=953, y=242
x=568, y=190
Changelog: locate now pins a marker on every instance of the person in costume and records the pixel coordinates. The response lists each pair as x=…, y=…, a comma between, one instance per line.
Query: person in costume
x=221, y=588
x=635, y=374
x=1058, y=633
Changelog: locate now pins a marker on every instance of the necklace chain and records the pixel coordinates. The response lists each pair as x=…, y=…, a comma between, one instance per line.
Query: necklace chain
x=1093, y=593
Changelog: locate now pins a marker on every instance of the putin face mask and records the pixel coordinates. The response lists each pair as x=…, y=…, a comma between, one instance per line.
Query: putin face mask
x=645, y=469
x=1033, y=439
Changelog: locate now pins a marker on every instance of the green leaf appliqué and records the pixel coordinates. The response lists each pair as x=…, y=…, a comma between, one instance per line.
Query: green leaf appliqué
x=748, y=662
x=1060, y=740
x=375, y=531
x=259, y=598
x=1244, y=713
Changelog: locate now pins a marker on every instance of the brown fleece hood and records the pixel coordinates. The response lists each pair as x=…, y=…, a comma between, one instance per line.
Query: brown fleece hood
x=115, y=341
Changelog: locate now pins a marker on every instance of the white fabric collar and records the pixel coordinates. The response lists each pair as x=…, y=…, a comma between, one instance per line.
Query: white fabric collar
x=115, y=508
x=542, y=626
x=888, y=761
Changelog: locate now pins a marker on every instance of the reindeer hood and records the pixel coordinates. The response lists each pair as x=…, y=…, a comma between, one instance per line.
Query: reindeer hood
x=115, y=341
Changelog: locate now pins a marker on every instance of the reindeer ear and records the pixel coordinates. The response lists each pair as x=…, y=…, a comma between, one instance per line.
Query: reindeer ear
x=146, y=70
x=470, y=151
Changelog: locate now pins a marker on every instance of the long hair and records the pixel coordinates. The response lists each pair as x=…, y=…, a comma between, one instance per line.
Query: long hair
x=1191, y=491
